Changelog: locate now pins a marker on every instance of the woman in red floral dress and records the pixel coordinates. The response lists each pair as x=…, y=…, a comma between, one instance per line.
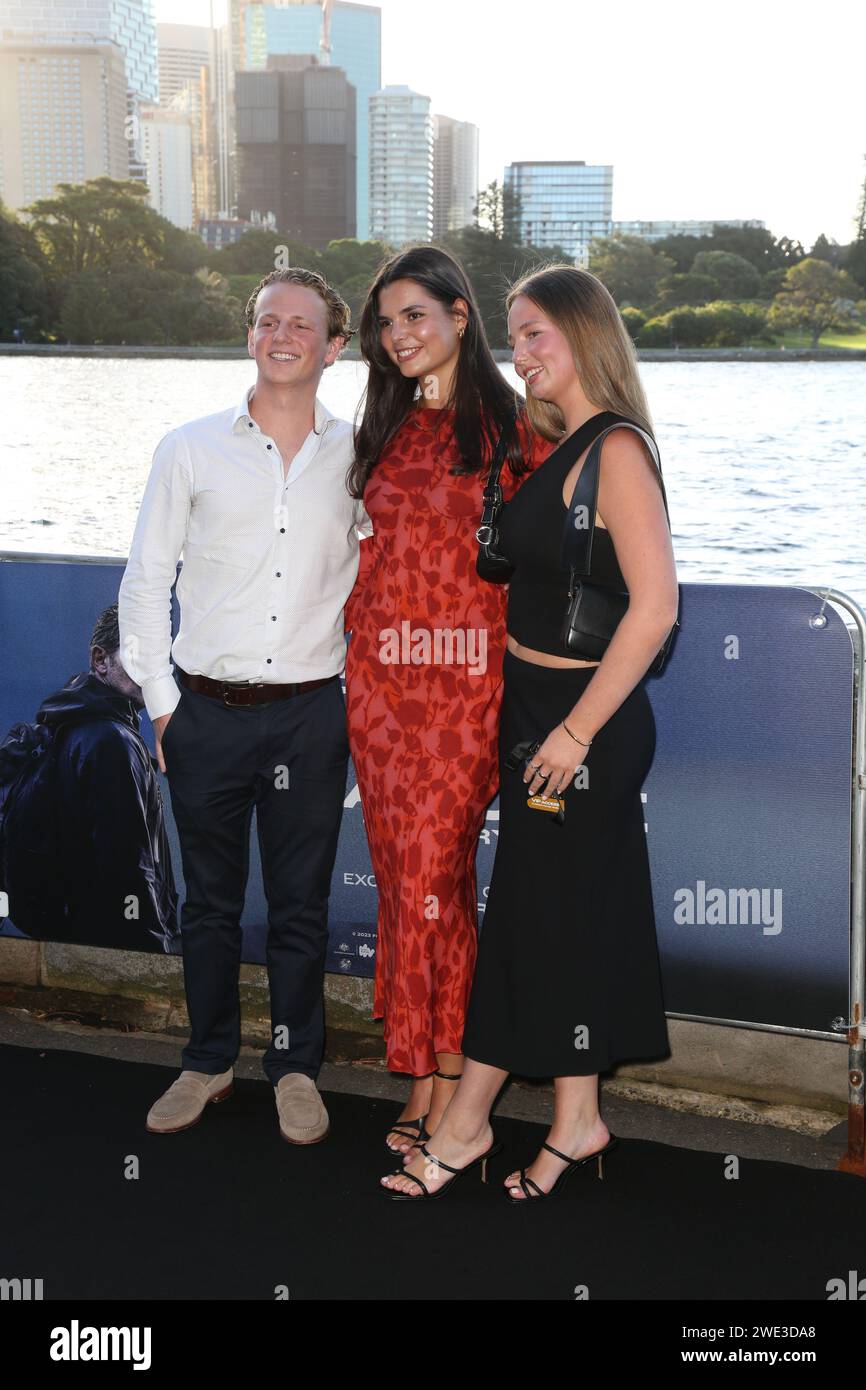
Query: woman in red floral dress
x=424, y=662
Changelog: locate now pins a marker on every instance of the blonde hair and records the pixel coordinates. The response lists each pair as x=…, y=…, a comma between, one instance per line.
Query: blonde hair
x=584, y=312
x=339, y=313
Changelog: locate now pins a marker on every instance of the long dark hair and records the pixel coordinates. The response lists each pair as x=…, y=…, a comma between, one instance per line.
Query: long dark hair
x=484, y=403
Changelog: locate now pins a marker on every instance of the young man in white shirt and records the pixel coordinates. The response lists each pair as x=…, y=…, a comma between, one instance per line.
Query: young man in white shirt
x=254, y=714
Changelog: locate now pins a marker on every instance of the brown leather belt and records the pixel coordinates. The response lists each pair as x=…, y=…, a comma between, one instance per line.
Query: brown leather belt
x=235, y=693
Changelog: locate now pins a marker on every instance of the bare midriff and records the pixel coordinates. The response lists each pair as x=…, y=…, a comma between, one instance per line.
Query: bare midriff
x=542, y=658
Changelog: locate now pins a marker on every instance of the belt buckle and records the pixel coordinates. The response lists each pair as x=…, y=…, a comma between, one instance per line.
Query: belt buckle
x=228, y=689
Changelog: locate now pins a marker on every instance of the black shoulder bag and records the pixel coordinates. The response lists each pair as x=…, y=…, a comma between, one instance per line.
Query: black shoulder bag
x=489, y=564
x=594, y=611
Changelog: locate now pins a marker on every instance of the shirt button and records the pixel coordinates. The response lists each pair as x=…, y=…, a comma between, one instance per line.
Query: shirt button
x=269, y=661
x=282, y=530
x=273, y=618
x=270, y=446
x=279, y=574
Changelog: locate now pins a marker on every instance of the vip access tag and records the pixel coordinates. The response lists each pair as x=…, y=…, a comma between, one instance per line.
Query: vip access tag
x=554, y=804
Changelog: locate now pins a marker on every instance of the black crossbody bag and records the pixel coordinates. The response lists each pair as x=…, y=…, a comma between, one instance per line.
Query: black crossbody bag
x=594, y=611
x=489, y=564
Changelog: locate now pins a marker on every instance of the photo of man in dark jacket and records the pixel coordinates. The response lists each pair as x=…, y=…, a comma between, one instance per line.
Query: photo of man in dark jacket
x=102, y=812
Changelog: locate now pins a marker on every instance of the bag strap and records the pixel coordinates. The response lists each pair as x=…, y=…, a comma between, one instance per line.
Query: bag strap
x=492, y=494
x=578, y=535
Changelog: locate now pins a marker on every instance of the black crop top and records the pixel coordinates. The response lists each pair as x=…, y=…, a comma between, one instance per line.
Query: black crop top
x=531, y=529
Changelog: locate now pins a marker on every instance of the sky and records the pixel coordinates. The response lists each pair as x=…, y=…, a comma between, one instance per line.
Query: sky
x=747, y=110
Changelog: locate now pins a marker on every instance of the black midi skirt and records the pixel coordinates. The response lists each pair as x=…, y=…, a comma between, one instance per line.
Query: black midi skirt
x=567, y=980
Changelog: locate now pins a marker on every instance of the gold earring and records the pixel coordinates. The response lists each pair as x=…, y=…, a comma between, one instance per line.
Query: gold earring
x=460, y=332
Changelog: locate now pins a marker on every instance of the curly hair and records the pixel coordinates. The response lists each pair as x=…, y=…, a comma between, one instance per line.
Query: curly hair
x=339, y=312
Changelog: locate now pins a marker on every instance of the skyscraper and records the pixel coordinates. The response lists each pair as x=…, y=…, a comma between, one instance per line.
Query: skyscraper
x=354, y=35
x=186, y=87
x=563, y=202
x=295, y=127
x=455, y=174
x=182, y=51
x=127, y=23
x=166, y=145
x=401, y=166
x=62, y=116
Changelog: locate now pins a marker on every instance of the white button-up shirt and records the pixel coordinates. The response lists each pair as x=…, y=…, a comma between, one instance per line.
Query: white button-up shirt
x=268, y=560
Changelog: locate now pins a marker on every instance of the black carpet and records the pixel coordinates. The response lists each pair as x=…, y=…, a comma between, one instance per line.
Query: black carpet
x=229, y=1210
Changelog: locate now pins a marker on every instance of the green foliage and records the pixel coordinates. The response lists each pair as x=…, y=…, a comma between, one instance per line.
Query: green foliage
x=733, y=276
x=498, y=210
x=257, y=253
x=240, y=287
x=630, y=268
x=829, y=251
x=107, y=222
x=144, y=305
x=753, y=244
x=677, y=291
x=24, y=295
x=854, y=261
x=349, y=258
x=815, y=298
x=720, y=324
x=634, y=321
x=771, y=282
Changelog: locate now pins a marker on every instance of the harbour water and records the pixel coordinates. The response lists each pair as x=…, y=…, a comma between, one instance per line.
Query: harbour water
x=764, y=463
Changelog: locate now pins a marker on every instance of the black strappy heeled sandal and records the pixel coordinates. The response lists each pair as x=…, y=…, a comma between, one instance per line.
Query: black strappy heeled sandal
x=417, y=1138
x=494, y=1149
x=525, y=1182
x=422, y=1134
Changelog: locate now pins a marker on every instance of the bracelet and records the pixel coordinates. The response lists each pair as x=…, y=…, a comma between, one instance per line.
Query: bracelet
x=574, y=736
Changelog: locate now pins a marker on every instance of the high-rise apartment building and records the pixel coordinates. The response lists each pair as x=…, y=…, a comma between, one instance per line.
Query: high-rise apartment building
x=401, y=166
x=166, y=143
x=455, y=174
x=562, y=203
x=186, y=59
x=62, y=116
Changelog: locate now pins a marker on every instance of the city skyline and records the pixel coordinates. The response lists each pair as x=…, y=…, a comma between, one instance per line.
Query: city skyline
x=738, y=119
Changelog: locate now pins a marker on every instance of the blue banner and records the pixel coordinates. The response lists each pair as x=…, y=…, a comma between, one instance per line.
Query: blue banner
x=747, y=804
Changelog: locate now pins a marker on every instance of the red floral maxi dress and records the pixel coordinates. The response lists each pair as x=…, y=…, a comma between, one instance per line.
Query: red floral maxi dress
x=423, y=729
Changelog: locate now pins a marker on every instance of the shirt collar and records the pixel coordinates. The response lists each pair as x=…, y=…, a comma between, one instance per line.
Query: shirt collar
x=321, y=415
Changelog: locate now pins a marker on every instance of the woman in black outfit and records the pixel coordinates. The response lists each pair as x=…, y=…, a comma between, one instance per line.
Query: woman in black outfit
x=567, y=979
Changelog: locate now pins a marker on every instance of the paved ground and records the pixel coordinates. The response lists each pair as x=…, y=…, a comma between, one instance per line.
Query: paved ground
x=820, y=1146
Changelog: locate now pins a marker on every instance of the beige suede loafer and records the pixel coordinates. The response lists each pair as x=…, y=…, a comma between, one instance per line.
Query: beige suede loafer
x=303, y=1117
x=183, y=1103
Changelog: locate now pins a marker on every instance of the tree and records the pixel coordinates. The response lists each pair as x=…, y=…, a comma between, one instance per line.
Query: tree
x=816, y=298
x=257, y=251
x=350, y=266
x=829, y=251
x=498, y=209
x=493, y=264
x=630, y=268
x=634, y=321
x=755, y=244
x=107, y=222
x=347, y=258
x=854, y=260
x=142, y=304
x=734, y=277
x=677, y=291
x=24, y=298
x=725, y=324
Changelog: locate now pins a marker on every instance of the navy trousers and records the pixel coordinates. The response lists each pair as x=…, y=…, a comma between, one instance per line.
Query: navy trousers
x=288, y=759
